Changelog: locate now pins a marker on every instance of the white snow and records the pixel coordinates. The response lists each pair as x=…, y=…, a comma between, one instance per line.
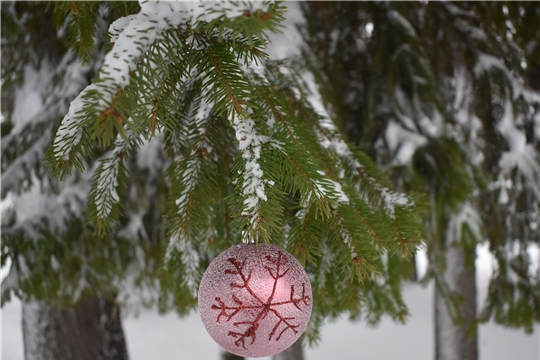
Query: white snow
x=10, y=280
x=487, y=63
x=391, y=199
x=402, y=143
x=190, y=260
x=150, y=153
x=468, y=127
x=347, y=239
x=334, y=37
x=466, y=216
x=515, y=138
x=369, y=28
x=29, y=98
x=520, y=154
x=70, y=132
x=119, y=25
x=194, y=131
x=51, y=210
x=399, y=20
x=287, y=43
x=133, y=36
x=15, y=173
x=474, y=31
x=453, y=9
x=35, y=102
x=253, y=186
x=106, y=187
x=335, y=188
x=341, y=196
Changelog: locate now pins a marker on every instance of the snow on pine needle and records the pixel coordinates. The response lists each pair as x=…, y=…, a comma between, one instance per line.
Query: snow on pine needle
x=195, y=125
x=133, y=36
x=109, y=179
x=390, y=199
x=520, y=154
x=189, y=257
x=194, y=134
x=467, y=217
x=336, y=192
x=107, y=184
x=347, y=238
x=253, y=183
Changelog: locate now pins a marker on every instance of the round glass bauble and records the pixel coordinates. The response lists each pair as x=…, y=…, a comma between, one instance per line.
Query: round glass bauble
x=255, y=299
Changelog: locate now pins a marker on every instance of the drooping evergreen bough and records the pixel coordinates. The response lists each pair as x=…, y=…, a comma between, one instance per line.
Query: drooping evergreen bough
x=187, y=107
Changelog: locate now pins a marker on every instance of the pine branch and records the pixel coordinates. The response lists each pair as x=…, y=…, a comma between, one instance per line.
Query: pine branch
x=22, y=155
x=109, y=184
x=194, y=177
x=81, y=25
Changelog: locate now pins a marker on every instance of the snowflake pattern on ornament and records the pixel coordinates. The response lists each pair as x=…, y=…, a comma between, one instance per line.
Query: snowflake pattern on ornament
x=264, y=306
x=255, y=300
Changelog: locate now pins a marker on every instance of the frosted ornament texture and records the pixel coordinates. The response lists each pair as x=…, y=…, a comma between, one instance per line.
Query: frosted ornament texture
x=255, y=300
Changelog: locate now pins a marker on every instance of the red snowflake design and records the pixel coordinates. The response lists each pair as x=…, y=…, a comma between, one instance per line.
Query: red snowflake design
x=263, y=308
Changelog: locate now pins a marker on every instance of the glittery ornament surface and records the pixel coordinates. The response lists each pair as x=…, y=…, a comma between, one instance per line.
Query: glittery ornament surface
x=255, y=300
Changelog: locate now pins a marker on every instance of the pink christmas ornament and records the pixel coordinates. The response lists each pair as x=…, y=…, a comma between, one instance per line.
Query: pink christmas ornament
x=255, y=300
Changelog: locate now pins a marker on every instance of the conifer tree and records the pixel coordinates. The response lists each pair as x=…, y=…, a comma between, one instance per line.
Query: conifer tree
x=188, y=140
x=56, y=259
x=437, y=94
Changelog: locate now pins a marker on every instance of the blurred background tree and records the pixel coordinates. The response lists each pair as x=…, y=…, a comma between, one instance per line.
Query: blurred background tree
x=53, y=254
x=445, y=97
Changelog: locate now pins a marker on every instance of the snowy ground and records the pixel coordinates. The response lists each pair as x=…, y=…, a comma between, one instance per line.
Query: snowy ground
x=151, y=336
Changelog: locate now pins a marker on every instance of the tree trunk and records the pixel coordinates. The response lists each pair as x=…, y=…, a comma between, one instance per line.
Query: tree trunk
x=452, y=341
x=295, y=352
x=91, y=331
x=225, y=355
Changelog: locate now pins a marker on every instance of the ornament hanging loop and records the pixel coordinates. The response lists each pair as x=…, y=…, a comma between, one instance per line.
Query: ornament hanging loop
x=247, y=238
